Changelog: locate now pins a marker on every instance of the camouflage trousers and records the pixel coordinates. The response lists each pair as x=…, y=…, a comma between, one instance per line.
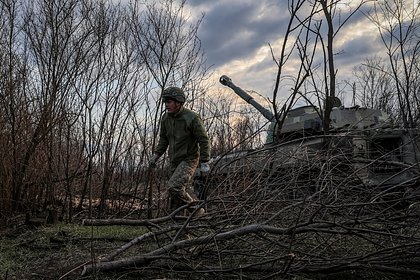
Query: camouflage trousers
x=179, y=184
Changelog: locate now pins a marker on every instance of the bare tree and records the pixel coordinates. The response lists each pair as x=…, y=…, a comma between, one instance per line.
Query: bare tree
x=398, y=25
x=220, y=129
x=306, y=24
x=298, y=25
x=374, y=87
x=14, y=110
x=61, y=44
x=78, y=97
x=232, y=125
x=168, y=46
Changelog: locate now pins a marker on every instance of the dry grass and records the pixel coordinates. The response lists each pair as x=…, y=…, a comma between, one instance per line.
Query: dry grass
x=51, y=252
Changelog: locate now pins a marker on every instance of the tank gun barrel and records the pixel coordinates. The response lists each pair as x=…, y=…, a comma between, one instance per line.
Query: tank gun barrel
x=226, y=81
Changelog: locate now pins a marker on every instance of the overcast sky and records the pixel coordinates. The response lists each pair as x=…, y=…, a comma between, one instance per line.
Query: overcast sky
x=236, y=35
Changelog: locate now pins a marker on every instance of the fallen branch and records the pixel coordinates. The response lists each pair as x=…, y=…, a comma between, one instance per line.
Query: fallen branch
x=135, y=241
x=131, y=222
x=165, y=250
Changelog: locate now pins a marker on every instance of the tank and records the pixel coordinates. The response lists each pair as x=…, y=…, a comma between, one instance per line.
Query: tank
x=363, y=141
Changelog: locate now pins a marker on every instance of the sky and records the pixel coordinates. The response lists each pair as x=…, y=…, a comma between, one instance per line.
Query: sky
x=236, y=36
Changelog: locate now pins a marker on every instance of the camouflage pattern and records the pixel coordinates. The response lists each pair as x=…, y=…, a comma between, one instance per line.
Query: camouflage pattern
x=185, y=135
x=179, y=185
x=174, y=93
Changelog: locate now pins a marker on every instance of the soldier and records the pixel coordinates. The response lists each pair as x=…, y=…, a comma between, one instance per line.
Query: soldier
x=183, y=132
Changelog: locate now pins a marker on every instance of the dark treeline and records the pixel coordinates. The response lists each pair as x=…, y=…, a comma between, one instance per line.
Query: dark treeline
x=79, y=98
x=80, y=82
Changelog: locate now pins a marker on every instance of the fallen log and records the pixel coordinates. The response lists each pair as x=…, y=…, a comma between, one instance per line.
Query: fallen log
x=132, y=222
x=164, y=251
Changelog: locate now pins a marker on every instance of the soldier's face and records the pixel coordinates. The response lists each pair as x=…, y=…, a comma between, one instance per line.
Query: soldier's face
x=172, y=106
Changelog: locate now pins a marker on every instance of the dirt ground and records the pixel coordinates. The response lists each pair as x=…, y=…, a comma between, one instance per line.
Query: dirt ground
x=60, y=251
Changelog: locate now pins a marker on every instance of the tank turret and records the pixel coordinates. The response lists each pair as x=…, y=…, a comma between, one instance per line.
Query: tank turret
x=306, y=120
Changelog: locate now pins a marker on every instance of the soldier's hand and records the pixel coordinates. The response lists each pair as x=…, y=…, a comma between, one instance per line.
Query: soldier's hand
x=153, y=160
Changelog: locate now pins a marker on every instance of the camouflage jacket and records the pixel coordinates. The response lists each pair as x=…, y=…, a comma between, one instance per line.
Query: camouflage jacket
x=185, y=135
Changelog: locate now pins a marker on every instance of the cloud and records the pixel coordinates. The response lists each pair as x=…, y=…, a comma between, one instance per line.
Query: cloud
x=236, y=35
x=235, y=30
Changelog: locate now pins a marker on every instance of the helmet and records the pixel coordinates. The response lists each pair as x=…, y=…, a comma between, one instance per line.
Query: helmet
x=174, y=93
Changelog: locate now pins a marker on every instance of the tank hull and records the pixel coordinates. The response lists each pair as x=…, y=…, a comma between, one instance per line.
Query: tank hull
x=385, y=157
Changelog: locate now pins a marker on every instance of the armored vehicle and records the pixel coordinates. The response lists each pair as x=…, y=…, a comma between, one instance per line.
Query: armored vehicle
x=362, y=144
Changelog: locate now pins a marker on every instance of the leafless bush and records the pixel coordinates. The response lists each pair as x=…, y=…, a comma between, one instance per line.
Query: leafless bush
x=78, y=104
x=310, y=214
